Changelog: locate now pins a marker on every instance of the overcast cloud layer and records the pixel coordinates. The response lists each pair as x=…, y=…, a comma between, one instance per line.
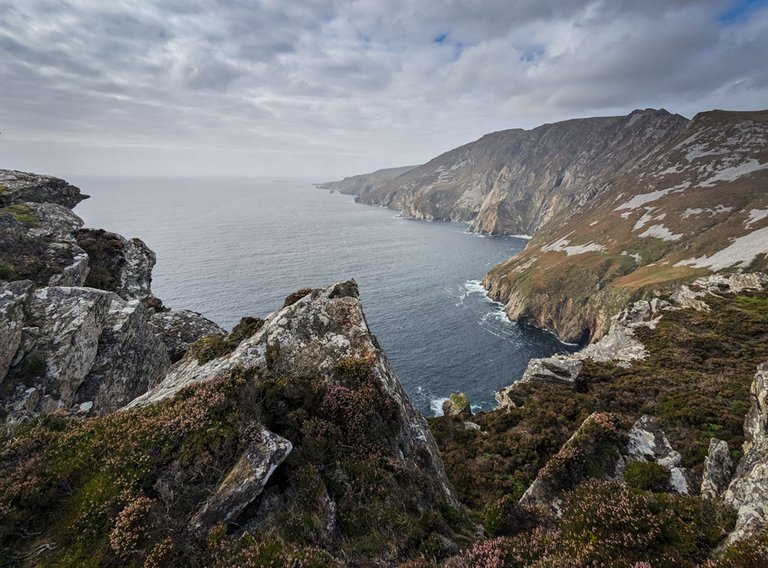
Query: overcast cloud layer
x=324, y=88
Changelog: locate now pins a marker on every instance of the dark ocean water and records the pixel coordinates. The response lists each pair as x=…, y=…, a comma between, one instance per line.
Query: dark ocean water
x=234, y=247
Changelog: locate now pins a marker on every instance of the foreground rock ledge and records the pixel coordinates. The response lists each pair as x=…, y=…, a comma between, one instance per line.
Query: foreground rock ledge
x=312, y=335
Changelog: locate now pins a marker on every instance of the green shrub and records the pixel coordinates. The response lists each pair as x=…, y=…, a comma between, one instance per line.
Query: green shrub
x=22, y=213
x=7, y=271
x=296, y=296
x=747, y=553
x=209, y=347
x=505, y=517
x=647, y=476
x=217, y=345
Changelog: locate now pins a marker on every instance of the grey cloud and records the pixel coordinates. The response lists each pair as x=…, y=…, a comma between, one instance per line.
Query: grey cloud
x=345, y=86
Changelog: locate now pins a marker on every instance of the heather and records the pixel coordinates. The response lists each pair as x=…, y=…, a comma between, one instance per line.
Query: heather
x=695, y=382
x=118, y=490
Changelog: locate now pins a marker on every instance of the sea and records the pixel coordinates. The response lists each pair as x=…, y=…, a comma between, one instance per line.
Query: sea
x=232, y=247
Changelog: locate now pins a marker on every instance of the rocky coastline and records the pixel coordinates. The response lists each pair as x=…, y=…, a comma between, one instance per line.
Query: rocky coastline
x=138, y=435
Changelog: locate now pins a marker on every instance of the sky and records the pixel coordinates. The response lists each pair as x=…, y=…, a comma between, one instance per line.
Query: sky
x=322, y=89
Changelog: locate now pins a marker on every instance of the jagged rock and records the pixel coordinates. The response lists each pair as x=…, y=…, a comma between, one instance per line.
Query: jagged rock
x=129, y=360
x=36, y=243
x=73, y=274
x=243, y=483
x=310, y=336
x=716, y=284
x=648, y=443
x=15, y=298
x=117, y=264
x=82, y=350
x=136, y=274
x=718, y=468
x=748, y=491
x=178, y=329
x=20, y=187
x=457, y=405
x=64, y=332
x=559, y=369
x=594, y=451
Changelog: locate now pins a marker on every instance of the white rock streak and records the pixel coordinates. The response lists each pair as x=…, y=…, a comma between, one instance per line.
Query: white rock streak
x=740, y=252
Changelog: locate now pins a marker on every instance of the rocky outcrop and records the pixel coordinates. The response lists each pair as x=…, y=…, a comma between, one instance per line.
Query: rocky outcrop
x=718, y=469
x=22, y=187
x=118, y=264
x=312, y=335
x=648, y=443
x=748, y=491
x=15, y=299
x=178, y=329
x=130, y=358
x=457, y=405
x=602, y=448
x=81, y=331
x=594, y=451
x=243, y=483
x=694, y=295
x=619, y=345
x=36, y=243
x=80, y=350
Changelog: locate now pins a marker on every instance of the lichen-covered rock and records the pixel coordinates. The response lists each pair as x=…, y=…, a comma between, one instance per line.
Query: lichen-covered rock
x=75, y=273
x=178, y=329
x=64, y=332
x=117, y=264
x=748, y=491
x=694, y=295
x=457, y=405
x=36, y=243
x=648, y=443
x=15, y=298
x=594, y=451
x=80, y=350
x=243, y=483
x=129, y=360
x=312, y=336
x=718, y=468
x=20, y=187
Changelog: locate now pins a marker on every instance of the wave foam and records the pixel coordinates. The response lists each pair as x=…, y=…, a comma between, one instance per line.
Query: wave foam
x=436, y=405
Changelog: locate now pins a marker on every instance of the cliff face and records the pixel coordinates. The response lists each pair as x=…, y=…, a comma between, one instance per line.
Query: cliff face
x=514, y=181
x=82, y=332
x=164, y=440
x=365, y=183
x=694, y=205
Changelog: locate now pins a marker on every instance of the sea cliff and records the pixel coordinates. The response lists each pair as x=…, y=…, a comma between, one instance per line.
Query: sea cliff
x=139, y=435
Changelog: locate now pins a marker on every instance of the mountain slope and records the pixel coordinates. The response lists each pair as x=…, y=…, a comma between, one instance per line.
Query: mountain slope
x=365, y=183
x=514, y=181
x=695, y=205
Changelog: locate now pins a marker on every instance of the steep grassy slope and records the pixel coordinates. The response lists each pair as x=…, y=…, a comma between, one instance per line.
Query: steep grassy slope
x=697, y=204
